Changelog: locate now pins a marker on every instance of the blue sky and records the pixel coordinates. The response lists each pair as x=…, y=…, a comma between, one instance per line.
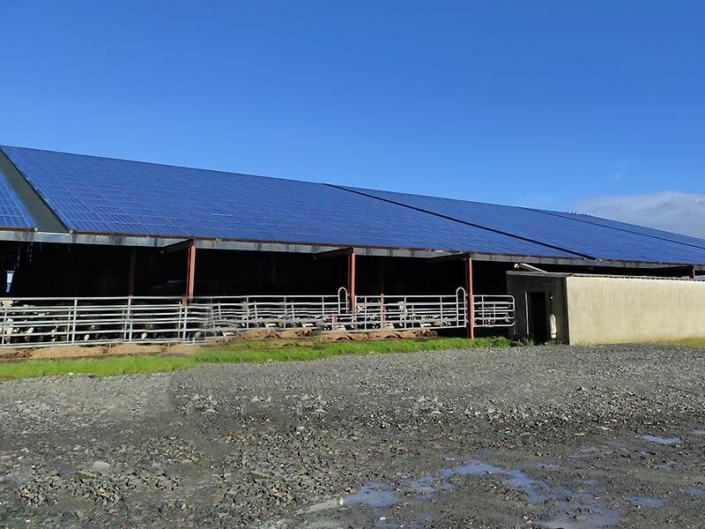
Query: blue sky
x=594, y=106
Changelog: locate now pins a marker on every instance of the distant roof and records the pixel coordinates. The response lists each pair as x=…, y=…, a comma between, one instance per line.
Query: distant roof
x=95, y=195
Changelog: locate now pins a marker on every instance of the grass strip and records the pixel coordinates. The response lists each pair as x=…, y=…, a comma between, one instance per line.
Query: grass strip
x=226, y=354
x=233, y=353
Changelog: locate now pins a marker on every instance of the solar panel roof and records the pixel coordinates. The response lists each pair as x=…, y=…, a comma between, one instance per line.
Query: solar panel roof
x=13, y=213
x=102, y=195
x=571, y=233
x=622, y=226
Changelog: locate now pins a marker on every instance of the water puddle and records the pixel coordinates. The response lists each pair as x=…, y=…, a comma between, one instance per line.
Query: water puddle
x=661, y=440
x=578, y=509
x=581, y=508
x=427, y=487
x=573, y=516
x=377, y=495
x=643, y=501
x=531, y=487
x=473, y=468
x=425, y=484
x=514, y=478
x=699, y=432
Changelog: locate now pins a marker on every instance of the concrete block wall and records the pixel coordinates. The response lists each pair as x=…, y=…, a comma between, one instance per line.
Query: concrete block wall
x=622, y=310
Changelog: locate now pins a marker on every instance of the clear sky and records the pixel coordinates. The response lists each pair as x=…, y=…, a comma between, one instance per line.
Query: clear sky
x=596, y=106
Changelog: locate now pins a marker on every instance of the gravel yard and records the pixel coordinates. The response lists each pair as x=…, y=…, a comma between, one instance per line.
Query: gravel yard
x=578, y=438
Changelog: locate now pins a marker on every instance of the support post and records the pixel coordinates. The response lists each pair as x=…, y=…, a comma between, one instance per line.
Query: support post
x=131, y=273
x=692, y=272
x=191, y=271
x=471, y=297
x=351, y=280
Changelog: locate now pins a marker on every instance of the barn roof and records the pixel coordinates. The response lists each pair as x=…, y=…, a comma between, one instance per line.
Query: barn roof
x=78, y=194
x=13, y=213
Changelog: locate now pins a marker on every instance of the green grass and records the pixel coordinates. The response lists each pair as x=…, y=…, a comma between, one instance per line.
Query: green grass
x=236, y=352
x=101, y=367
x=227, y=354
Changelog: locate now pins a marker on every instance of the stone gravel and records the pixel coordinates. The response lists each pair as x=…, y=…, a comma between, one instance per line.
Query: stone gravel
x=549, y=436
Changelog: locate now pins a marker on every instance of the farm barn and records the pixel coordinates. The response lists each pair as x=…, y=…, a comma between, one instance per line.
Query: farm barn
x=99, y=250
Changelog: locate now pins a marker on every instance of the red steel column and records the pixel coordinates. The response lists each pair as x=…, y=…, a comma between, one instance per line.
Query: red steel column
x=351, y=280
x=191, y=271
x=471, y=304
x=131, y=273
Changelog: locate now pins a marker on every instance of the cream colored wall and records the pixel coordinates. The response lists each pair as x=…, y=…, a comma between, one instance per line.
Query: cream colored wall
x=620, y=310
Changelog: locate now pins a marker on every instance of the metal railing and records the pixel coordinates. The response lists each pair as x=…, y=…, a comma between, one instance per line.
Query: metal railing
x=46, y=321
x=493, y=311
x=232, y=314
x=35, y=322
x=410, y=312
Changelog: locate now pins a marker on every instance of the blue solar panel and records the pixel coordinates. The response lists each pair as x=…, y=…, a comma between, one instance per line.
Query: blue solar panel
x=569, y=234
x=13, y=213
x=101, y=195
x=623, y=226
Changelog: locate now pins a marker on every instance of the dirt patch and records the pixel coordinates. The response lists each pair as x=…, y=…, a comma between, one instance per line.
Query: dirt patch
x=421, y=333
x=258, y=334
x=15, y=354
x=338, y=337
x=134, y=349
x=182, y=349
x=66, y=351
x=97, y=351
x=296, y=333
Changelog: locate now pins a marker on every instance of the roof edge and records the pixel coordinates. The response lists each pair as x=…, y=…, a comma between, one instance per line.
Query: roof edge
x=41, y=212
x=312, y=248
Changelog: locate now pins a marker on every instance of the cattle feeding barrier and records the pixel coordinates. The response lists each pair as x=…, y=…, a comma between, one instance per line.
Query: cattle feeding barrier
x=36, y=322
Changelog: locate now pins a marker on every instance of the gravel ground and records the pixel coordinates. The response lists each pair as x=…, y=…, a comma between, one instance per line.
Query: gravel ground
x=526, y=437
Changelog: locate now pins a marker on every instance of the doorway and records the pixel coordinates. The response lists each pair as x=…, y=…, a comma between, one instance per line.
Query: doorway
x=537, y=316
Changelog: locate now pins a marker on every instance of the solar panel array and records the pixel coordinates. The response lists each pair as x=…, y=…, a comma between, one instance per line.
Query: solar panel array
x=622, y=226
x=570, y=233
x=13, y=213
x=102, y=195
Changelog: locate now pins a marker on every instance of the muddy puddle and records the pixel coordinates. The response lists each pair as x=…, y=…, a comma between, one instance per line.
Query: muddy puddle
x=583, y=505
x=647, y=502
x=661, y=440
x=578, y=509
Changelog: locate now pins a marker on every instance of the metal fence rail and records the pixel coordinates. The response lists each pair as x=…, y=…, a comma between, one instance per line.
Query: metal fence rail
x=36, y=322
x=232, y=314
x=493, y=311
x=46, y=321
x=410, y=312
